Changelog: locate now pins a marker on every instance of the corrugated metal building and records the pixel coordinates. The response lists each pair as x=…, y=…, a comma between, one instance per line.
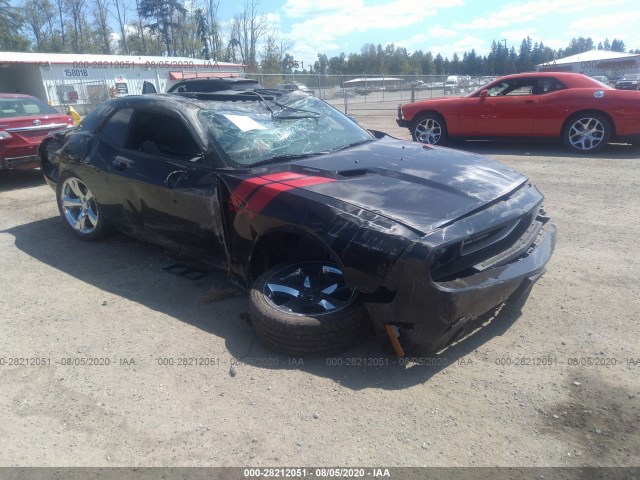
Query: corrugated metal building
x=83, y=80
x=596, y=62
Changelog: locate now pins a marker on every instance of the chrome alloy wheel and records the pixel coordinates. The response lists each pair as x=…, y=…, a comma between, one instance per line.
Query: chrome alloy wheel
x=586, y=133
x=79, y=205
x=428, y=131
x=309, y=288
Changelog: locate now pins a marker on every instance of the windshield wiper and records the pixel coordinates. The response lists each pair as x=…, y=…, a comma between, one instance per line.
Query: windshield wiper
x=285, y=158
x=311, y=113
x=354, y=144
x=279, y=116
x=263, y=100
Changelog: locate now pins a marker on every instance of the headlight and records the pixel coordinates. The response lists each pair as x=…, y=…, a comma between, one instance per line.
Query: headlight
x=4, y=135
x=443, y=254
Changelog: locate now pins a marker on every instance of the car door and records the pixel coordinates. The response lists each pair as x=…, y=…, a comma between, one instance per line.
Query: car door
x=507, y=109
x=554, y=101
x=162, y=184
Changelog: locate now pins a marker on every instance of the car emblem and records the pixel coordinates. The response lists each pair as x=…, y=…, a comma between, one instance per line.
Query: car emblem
x=598, y=94
x=37, y=122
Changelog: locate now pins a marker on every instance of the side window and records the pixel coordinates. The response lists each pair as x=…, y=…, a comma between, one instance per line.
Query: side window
x=162, y=134
x=513, y=88
x=521, y=89
x=547, y=85
x=117, y=126
x=498, y=89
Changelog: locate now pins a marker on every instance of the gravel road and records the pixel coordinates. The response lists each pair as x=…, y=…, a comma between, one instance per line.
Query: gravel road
x=108, y=360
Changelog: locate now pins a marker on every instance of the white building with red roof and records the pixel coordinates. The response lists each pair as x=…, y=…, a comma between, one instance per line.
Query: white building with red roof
x=83, y=80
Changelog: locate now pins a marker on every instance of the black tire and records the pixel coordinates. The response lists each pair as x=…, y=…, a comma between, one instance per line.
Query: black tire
x=586, y=133
x=90, y=224
x=430, y=129
x=302, y=331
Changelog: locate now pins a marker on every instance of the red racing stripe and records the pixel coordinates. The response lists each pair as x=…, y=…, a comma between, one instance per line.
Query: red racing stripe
x=268, y=187
x=279, y=177
x=308, y=181
x=246, y=187
x=267, y=193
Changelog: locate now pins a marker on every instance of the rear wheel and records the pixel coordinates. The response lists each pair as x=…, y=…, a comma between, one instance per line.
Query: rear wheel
x=587, y=133
x=80, y=209
x=306, y=308
x=429, y=129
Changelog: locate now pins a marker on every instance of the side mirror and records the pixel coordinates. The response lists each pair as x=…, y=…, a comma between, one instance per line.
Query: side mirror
x=484, y=93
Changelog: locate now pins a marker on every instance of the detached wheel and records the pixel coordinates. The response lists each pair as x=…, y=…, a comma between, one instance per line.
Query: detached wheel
x=306, y=308
x=587, y=133
x=429, y=129
x=80, y=209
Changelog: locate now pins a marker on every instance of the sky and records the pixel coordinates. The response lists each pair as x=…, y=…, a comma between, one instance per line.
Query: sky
x=445, y=26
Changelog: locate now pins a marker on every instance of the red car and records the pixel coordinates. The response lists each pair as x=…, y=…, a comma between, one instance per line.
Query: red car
x=582, y=112
x=24, y=122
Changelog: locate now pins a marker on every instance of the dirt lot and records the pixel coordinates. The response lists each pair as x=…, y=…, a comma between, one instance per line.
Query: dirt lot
x=488, y=400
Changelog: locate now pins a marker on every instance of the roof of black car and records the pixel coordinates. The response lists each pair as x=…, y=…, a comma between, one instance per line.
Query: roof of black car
x=200, y=99
x=194, y=99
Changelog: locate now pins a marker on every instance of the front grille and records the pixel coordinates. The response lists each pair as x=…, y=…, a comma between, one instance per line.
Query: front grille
x=485, y=240
x=520, y=246
x=488, y=249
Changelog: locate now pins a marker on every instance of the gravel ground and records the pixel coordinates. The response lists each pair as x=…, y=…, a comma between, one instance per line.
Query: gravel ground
x=487, y=400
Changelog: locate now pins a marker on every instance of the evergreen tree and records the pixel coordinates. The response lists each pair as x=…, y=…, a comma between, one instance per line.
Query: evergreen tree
x=203, y=33
x=163, y=19
x=617, y=45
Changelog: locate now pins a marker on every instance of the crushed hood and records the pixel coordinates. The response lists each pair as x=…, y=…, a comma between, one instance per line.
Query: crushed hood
x=421, y=187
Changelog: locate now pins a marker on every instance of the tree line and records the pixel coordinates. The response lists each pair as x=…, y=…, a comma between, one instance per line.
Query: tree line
x=501, y=59
x=195, y=29
x=143, y=27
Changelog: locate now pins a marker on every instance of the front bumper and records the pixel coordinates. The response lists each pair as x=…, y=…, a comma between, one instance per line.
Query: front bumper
x=400, y=120
x=428, y=313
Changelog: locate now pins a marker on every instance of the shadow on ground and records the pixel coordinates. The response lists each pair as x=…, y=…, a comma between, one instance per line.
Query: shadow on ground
x=135, y=271
x=16, y=179
x=598, y=419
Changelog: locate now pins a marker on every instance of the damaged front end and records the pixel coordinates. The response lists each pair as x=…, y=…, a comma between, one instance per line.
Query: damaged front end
x=464, y=269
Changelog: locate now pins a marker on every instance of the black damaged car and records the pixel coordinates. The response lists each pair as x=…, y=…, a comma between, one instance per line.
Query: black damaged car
x=334, y=229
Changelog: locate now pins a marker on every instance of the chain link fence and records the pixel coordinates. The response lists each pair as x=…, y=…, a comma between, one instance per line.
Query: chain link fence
x=353, y=93
x=83, y=95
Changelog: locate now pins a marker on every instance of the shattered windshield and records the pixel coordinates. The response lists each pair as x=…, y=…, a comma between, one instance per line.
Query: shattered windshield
x=290, y=127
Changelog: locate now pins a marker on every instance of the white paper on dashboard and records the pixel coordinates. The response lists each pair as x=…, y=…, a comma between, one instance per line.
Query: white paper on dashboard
x=244, y=123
